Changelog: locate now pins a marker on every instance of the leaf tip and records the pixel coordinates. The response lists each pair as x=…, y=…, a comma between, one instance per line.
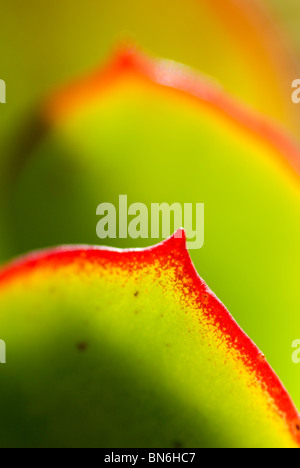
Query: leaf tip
x=177, y=241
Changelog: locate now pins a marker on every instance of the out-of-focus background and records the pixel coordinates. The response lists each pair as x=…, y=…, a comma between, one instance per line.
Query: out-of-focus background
x=45, y=44
x=288, y=14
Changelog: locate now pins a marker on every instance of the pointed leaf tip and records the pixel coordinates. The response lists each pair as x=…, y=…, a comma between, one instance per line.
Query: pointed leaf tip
x=179, y=238
x=127, y=54
x=177, y=242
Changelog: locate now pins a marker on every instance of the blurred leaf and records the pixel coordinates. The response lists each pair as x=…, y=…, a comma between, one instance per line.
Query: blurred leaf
x=237, y=43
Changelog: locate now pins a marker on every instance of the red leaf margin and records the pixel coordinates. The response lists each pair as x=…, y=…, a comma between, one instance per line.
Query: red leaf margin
x=170, y=253
x=184, y=82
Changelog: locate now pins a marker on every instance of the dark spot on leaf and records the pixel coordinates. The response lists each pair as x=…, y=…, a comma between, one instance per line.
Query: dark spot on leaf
x=136, y=294
x=82, y=346
x=177, y=444
x=205, y=298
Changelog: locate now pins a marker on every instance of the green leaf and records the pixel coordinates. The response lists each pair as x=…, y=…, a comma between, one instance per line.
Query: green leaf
x=130, y=349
